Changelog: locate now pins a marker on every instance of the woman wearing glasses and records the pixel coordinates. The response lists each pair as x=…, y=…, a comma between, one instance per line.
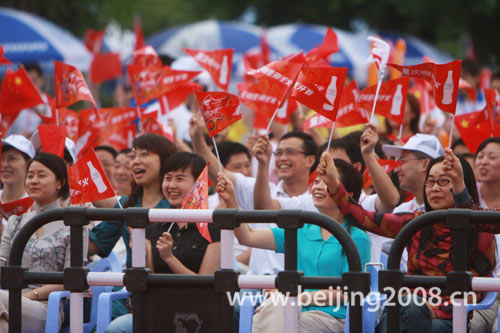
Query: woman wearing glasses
x=429, y=251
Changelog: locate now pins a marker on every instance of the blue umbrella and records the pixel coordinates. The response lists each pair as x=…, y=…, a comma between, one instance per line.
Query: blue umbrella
x=31, y=39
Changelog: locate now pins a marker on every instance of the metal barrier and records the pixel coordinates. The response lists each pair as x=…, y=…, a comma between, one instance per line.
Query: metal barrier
x=138, y=279
x=459, y=280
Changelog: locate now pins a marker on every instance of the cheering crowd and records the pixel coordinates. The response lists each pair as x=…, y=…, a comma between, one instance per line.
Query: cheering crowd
x=370, y=174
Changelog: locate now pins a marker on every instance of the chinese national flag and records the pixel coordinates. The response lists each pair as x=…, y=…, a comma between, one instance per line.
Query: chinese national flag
x=146, y=56
x=217, y=63
x=320, y=89
x=317, y=120
x=93, y=40
x=327, y=47
x=391, y=100
x=70, y=85
x=349, y=114
x=53, y=139
x=18, y=92
x=17, y=207
x=443, y=78
x=88, y=181
x=151, y=82
x=219, y=109
x=387, y=165
x=278, y=77
x=197, y=198
x=3, y=60
x=139, y=34
x=105, y=66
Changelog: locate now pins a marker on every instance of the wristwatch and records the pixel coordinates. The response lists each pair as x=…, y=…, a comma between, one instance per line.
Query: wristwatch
x=35, y=292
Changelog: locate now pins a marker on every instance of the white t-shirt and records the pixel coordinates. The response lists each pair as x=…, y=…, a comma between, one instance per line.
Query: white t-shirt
x=262, y=262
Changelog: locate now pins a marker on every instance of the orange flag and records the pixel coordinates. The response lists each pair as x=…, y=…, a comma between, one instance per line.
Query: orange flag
x=70, y=85
x=217, y=63
x=18, y=92
x=88, y=181
x=197, y=198
x=219, y=109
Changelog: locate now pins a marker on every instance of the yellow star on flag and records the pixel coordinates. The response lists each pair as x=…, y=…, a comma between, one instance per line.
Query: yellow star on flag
x=464, y=123
x=18, y=81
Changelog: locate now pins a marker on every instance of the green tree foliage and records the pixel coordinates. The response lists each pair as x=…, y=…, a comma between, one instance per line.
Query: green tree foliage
x=441, y=22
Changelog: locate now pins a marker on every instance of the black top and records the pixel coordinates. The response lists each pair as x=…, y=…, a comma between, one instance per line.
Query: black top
x=188, y=244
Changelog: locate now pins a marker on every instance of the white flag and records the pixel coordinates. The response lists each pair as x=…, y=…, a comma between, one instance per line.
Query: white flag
x=380, y=53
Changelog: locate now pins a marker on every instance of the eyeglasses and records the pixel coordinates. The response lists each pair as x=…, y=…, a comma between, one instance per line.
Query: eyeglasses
x=141, y=154
x=441, y=182
x=287, y=152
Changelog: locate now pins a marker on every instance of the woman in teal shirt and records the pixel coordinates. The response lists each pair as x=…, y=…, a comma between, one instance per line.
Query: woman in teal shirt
x=318, y=254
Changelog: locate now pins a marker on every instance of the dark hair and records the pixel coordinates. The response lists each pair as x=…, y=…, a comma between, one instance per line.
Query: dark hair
x=309, y=146
x=124, y=151
x=55, y=164
x=496, y=75
x=457, y=142
x=229, y=148
x=487, y=142
x=183, y=160
x=351, y=147
x=34, y=68
x=470, y=183
x=108, y=149
x=6, y=147
x=158, y=144
x=470, y=67
x=350, y=178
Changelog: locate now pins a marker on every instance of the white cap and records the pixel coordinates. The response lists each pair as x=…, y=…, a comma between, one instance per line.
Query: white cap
x=20, y=143
x=69, y=145
x=422, y=143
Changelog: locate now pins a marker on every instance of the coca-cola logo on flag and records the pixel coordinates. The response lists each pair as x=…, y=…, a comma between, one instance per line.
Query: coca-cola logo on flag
x=217, y=63
x=219, y=109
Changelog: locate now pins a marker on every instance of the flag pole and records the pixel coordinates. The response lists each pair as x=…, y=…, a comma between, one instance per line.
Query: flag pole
x=330, y=139
x=379, y=83
x=451, y=130
x=217, y=153
x=271, y=121
x=57, y=116
x=119, y=203
x=400, y=131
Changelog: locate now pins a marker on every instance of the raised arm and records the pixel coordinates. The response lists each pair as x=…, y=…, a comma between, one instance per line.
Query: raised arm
x=387, y=193
x=262, y=150
x=387, y=225
x=260, y=238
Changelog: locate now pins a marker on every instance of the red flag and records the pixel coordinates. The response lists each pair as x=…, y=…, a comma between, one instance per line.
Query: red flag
x=387, y=165
x=102, y=118
x=278, y=78
x=86, y=140
x=485, y=78
x=327, y=47
x=265, y=49
x=349, y=113
x=93, y=40
x=17, y=207
x=152, y=125
x=219, y=109
x=399, y=57
x=443, y=78
x=469, y=89
x=53, y=139
x=474, y=128
x=217, y=63
x=317, y=120
x=423, y=91
x=70, y=85
x=297, y=58
x=197, y=198
x=105, y=66
x=118, y=136
x=151, y=82
x=260, y=121
x=3, y=60
x=285, y=112
x=312, y=177
x=18, y=92
x=258, y=98
x=139, y=34
x=146, y=56
x=176, y=97
x=391, y=100
x=88, y=181
x=69, y=119
x=320, y=89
